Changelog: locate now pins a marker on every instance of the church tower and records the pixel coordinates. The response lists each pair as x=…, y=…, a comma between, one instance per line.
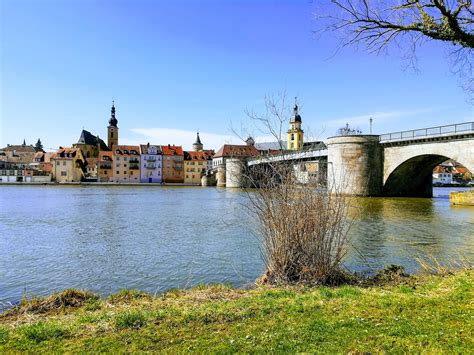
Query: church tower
x=112, y=129
x=197, y=146
x=295, y=133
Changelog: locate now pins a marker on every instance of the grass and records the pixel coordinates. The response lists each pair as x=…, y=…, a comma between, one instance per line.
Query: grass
x=430, y=314
x=41, y=331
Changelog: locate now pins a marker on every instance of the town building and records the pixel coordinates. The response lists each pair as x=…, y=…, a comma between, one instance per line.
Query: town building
x=112, y=129
x=105, y=168
x=231, y=153
x=195, y=165
x=18, y=154
x=295, y=133
x=90, y=145
x=42, y=162
x=126, y=163
x=68, y=165
x=173, y=157
x=151, y=163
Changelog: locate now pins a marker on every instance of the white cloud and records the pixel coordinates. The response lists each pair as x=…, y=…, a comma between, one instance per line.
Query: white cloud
x=164, y=136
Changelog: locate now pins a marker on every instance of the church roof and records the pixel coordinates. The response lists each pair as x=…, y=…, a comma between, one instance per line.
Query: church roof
x=89, y=139
x=113, y=121
x=296, y=116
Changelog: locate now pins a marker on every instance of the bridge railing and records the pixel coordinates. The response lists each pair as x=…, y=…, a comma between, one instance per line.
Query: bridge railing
x=428, y=132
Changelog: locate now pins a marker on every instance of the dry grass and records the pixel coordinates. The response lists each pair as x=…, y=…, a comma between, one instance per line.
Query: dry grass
x=432, y=266
x=70, y=298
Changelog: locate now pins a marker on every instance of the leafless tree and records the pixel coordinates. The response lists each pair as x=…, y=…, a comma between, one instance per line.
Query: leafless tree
x=348, y=131
x=376, y=24
x=303, y=227
x=274, y=119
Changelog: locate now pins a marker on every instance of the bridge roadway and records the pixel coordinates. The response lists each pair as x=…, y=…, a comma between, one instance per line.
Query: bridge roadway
x=392, y=164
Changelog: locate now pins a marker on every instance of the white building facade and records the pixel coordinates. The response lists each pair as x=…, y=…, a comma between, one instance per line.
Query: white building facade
x=151, y=163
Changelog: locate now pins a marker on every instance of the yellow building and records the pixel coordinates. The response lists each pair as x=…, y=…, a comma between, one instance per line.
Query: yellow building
x=195, y=165
x=105, y=168
x=68, y=165
x=126, y=163
x=295, y=133
x=173, y=157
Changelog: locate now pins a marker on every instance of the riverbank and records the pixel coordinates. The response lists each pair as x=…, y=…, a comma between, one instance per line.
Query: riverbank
x=424, y=313
x=98, y=184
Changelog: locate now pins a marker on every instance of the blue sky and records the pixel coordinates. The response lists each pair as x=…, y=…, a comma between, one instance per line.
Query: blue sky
x=175, y=67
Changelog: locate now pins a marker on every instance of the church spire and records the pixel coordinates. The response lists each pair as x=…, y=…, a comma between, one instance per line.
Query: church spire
x=112, y=130
x=113, y=121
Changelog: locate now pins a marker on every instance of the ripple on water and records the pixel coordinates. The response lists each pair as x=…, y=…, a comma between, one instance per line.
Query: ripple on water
x=107, y=238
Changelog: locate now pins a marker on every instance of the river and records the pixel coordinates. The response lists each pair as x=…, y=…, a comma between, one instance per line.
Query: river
x=155, y=238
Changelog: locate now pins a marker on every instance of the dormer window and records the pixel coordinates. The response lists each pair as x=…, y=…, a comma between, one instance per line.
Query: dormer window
x=117, y=152
x=125, y=151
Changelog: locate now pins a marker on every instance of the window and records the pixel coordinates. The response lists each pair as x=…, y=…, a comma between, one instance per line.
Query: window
x=105, y=172
x=63, y=173
x=64, y=163
x=111, y=134
x=292, y=136
x=118, y=172
x=131, y=172
x=118, y=165
x=57, y=163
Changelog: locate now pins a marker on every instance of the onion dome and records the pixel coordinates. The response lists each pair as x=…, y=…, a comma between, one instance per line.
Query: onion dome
x=113, y=121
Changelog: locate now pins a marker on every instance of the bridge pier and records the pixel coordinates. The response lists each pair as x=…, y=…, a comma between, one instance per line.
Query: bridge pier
x=220, y=176
x=234, y=173
x=355, y=165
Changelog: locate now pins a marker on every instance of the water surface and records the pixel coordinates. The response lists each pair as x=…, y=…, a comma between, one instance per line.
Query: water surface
x=155, y=238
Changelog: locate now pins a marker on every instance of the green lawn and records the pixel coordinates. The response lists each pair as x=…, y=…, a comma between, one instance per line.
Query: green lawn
x=429, y=314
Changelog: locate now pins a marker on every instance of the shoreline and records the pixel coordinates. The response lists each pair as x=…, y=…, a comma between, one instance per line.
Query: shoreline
x=98, y=184
x=417, y=313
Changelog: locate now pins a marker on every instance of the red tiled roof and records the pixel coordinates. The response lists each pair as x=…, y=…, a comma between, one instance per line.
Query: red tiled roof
x=438, y=170
x=195, y=156
x=122, y=148
x=172, y=149
x=103, y=154
x=233, y=150
x=72, y=151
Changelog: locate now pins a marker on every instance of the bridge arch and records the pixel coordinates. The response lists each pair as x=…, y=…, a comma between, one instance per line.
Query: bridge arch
x=408, y=168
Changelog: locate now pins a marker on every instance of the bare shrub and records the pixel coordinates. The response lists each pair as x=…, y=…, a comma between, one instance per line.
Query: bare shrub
x=303, y=227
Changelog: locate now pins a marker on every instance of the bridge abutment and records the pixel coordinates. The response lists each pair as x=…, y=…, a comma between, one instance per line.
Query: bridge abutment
x=355, y=165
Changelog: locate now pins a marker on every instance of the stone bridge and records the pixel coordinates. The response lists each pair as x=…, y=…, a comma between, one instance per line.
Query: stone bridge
x=394, y=164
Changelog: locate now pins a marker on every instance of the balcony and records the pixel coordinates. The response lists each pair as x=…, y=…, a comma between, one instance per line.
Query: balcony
x=105, y=166
x=151, y=166
x=151, y=158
